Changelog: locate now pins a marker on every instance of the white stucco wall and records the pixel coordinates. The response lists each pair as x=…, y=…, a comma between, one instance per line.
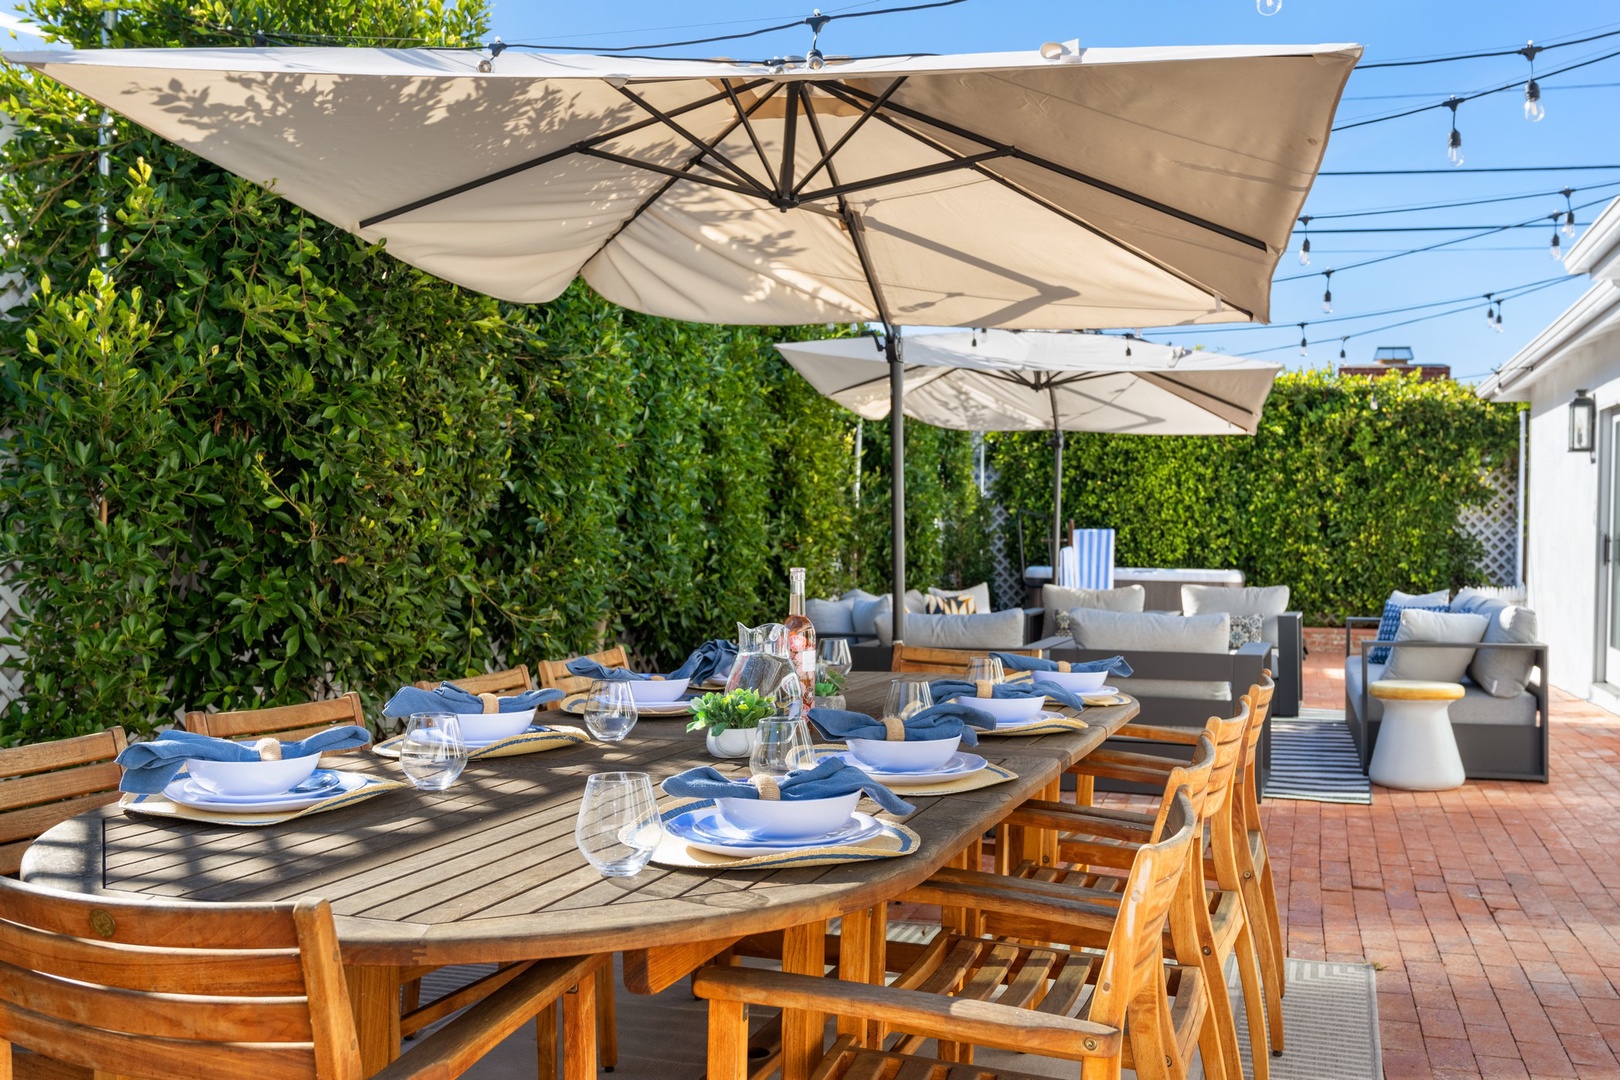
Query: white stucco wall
x=1562, y=564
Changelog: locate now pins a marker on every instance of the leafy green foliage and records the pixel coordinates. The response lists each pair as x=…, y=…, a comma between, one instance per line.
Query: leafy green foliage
x=1350, y=488
x=740, y=708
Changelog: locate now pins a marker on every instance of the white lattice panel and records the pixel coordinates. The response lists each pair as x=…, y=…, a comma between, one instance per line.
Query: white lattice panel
x=10, y=673
x=1496, y=526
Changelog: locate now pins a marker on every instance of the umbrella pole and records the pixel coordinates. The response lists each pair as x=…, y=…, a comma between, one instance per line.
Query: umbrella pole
x=897, y=473
x=1057, y=484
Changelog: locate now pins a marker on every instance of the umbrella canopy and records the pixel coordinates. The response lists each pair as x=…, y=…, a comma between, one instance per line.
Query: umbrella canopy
x=1067, y=188
x=997, y=380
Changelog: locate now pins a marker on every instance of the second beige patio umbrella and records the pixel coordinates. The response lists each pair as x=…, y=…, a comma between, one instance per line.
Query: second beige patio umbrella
x=1062, y=188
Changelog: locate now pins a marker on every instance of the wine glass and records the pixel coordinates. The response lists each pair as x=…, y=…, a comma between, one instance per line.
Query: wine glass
x=834, y=655
x=908, y=697
x=985, y=669
x=433, y=753
x=781, y=745
x=610, y=709
x=618, y=828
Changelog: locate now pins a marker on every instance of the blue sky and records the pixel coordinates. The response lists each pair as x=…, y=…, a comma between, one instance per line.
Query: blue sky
x=1579, y=129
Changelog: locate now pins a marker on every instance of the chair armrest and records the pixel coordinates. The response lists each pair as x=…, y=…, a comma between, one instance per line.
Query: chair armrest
x=1353, y=621
x=1253, y=648
x=1056, y=641
x=1368, y=646
x=982, y=1023
x=1182, y=736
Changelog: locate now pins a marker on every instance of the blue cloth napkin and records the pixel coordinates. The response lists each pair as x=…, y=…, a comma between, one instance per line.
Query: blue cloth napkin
x=149, y=767
x=706, y=659
x=826, y=781
x=453, y=699
x=1114, y=665
x=945, y=689
x=935, y=722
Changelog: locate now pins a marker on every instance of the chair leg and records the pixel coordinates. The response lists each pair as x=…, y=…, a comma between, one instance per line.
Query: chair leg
x=545, y=1042
x=1269, y=954
x=1254, y=1000
x=579, y=1031
x=607, y=1019
x=1268, y=896
x=728, y=1040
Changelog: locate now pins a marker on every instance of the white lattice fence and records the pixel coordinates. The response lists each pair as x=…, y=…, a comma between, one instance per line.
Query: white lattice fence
x=10, y=673
x=1496, y=526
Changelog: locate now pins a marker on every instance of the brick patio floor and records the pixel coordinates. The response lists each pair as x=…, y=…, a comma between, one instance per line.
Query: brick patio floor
x=1492, y=912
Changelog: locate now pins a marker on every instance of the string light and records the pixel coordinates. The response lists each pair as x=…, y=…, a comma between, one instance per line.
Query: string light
x=1305, y=244
x=1497, y=324
x=487, y=64
x=1454, y=152
x=1327, y=293
x=1304, y=346
x=1489, y=311
x=1268, y=7
x=1555, y=250
x=1568, y=228
x=1534, y=110
x=1341, y=345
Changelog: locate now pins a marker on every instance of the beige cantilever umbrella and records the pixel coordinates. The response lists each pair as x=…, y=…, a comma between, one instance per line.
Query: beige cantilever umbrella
x=997, y=380
x=1067, y=188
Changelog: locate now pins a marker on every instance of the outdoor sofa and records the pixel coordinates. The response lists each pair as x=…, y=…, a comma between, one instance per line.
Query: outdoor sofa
x=865, y=620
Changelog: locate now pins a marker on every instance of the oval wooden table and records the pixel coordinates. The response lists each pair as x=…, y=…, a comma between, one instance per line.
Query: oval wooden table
x=488, y=871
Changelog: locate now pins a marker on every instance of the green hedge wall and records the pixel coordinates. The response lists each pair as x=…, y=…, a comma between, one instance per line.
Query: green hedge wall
x=1350, y=488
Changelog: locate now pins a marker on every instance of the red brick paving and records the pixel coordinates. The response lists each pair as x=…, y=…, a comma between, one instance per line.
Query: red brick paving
x=1492, y=912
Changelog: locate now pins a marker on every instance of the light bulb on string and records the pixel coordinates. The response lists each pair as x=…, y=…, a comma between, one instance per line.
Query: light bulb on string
x=1268, y=7
x=1454, y=153
x=1341, y=346
x=1305, y=244
x=1497, y=324
x=1555, y=250
x=1490, y=304
x=1534, y=110
x=1568, y=227
x=1304, y=346
x=1327, y=293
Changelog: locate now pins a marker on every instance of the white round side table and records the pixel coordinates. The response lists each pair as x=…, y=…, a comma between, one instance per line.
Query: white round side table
x=1416, y=749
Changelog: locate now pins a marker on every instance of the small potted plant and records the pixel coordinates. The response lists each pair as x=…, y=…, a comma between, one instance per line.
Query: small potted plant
x=829, y=688
x=729, y=721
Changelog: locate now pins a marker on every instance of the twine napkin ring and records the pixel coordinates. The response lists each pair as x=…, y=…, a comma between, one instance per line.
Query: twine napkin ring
x=894, y=729
x=1063, y=666
x=769, y=790
x=492, y=704
x=984, y=688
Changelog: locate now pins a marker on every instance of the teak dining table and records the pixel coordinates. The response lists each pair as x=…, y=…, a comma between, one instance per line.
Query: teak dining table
x=487, y=871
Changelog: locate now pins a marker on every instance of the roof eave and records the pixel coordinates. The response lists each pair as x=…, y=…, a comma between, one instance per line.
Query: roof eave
x=1513, y=380
x=1597, y=252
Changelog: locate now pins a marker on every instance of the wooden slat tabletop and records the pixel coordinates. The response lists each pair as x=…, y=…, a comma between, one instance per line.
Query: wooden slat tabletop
x=488, y=870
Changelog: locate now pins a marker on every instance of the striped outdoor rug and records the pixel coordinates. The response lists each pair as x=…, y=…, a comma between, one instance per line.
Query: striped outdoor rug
x=1313, y=759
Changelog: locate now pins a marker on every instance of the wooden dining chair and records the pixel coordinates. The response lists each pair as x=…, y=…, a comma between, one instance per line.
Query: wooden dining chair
x=164, y=989
x=45, y=784
x=555, y=673
x=922, y=659
x=512, y=680
x=1068, y=1003
x=282, y=721
x=1254, y=859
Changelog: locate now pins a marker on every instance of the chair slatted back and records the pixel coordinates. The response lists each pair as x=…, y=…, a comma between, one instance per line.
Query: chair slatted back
x=157, y=990
x=282, y=721
x=1229, y=748
x=1134, y=962
x=922, y=659
x=1259, y=698
x=512, y=680
x=555, y=673
x=45, y=784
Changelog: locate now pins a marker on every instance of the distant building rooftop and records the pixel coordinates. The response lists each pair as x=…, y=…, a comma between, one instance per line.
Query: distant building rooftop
x=1388, y=359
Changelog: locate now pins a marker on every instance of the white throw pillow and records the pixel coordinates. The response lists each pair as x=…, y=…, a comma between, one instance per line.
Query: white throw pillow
x=1434, y=665
x=980, y=594
x=1150, y=631
x=1438, y=598
x=1268, y=601
x=1056, y=598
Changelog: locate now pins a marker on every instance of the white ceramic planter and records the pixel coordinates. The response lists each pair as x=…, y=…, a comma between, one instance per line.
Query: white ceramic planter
x=731, y=743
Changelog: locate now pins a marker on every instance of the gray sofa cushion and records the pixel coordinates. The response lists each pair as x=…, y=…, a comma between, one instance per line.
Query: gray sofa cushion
x=1055, y=598
x=1180, y=689
x=831, y=617
x=1504, y=673
x=1269, y=601
x=980, y=594
x=993, y=630
x=1150, y=631
x=871, y=609
x=1474, y=707
x=1434, y=665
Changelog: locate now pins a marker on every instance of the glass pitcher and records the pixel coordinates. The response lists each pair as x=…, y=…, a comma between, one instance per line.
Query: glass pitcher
x=762, y=659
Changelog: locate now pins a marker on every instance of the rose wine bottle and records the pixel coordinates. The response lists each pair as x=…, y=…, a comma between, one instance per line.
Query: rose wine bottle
x=801, y=635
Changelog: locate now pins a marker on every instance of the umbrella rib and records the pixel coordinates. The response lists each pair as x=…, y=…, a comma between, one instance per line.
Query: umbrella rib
x=753, y=136
x=853, y=223
x=827, y=155
x=704, y=150
x=544, y=159
x=1072, y=174
x=906, y=174
x=667, y=170
x=1066, y=215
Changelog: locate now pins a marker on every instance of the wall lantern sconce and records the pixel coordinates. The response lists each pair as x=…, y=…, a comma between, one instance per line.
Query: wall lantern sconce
x=1583, y=424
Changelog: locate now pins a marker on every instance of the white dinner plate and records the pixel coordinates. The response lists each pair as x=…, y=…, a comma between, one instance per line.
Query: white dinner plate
x=706, y=830
x=187, y=792
x=959, y=764
x=479, y=744
x=1101, y=691
x=320, y=783
x=1043, y=718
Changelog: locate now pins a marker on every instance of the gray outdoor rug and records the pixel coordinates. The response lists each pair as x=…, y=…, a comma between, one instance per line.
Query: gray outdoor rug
x=1314, y=759
x=1330, y=1014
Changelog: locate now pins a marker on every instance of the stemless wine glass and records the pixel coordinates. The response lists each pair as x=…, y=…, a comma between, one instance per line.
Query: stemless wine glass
x=907, y=697
x=834, y=655
x=610, y=709
x=618, y=828
x=781, y=745
x=433, y=752
x=982, y=668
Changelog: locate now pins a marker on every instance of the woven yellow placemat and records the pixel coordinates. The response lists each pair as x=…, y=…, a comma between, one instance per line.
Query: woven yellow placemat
x=529, y=742
x=895, y=840
x=988, y=776
x=1051, y=725
x=1105, y=699
x=158, y=806
x=575, y=704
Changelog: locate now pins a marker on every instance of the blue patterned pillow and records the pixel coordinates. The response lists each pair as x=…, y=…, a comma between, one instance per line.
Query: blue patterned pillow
x=1390, y=622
